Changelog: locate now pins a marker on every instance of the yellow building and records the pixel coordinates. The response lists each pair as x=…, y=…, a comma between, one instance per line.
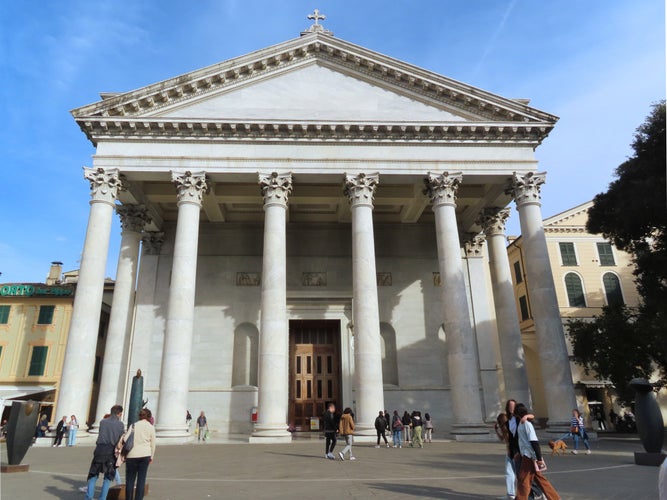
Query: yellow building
x=589, y=273
x=34, y=325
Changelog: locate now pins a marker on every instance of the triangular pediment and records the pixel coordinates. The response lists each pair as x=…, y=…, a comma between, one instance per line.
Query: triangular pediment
x=313, y=92
x=312, y=84
x=575, y=217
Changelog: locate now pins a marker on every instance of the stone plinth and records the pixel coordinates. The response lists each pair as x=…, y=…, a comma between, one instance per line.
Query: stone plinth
x=652, y=459
x=8, y=469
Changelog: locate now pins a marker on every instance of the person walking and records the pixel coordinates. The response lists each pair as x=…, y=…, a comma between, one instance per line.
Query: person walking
x=506, y=430
x=397, y=429
x=188, y=419
x=532, y=463
x=381, y=429
x=330, y=427
x=578, y=430
x=346, y=429
x=73, y=428
x=140, y=456
x=104, y=458
x=60, y=431
x=417, y=424
x=202, y=426
x=428, y=428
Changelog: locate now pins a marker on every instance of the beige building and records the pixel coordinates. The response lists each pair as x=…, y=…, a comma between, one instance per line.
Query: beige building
x=588, y=273
x=34, y=324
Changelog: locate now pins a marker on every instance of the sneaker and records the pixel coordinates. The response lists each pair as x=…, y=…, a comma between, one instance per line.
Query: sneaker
x=84, y=489
x=353, y=458
x=574, y=452
x=377, y=445
x=330, y=456
x=340, y=454
x=387, y=445
x=588, y=452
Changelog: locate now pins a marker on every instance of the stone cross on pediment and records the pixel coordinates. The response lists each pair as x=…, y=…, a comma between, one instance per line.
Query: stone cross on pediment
x=317, y=16
x=316, y=27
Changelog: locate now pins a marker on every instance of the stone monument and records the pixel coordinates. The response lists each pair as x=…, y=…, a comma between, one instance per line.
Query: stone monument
x=136, y=398
x=650, y=425
x=20, y=430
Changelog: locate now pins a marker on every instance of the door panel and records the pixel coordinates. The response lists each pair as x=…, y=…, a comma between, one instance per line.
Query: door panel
x=314, y=369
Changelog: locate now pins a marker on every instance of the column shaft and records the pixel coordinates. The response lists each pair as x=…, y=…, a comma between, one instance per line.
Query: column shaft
x=177, y=349
x=114, y=366
x=365, y=311
x=274, y=334
x=462, y=361
x=507, y=319
x=554, y=359
x=75, y=383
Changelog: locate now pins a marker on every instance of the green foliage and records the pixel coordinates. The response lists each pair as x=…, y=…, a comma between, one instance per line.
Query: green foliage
x=622, y=344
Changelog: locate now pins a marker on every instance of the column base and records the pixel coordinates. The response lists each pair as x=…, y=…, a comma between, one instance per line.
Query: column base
x=480, y=433
x=270, y=434
x=652, y=459
x=364, y=434
x=173, y=434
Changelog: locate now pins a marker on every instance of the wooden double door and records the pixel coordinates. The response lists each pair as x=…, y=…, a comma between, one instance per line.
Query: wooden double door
x=314, y=369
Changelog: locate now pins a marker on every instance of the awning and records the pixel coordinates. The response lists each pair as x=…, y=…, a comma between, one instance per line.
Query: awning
x=595, y=384
x=10, y=392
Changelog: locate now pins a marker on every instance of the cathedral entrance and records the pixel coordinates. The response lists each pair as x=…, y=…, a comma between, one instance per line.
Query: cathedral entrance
x=314, y=369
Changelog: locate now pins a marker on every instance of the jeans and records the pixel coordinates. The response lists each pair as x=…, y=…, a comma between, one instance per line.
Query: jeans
x=136, y=468
x=90, y=494
x=428, y=434
x=330, y=442
x=397, y=437
x=406, y=433
x=348, y=445
x=71, y=437
x=510, y=476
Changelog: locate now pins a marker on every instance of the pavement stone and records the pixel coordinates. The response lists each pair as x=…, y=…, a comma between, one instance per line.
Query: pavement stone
x=442, y=469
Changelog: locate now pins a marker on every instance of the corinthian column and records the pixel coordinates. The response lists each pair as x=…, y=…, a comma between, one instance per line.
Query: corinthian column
x=273, y=390
x=492, y=221
x=461, y=352
x=75, y=384
x=360, y=190
x=552, y=350
x=175, y=372
x=112, y=384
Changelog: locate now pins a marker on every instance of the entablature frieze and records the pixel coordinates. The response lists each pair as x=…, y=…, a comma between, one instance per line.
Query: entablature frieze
x=100, y=129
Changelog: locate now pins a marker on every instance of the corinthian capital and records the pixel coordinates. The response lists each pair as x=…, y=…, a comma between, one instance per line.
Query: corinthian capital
x=133, y=217
x=526, y=188
x=190, y=186
x=493, y=220
x=152, y=242
x=275, y=188
x=442, y=188
x=474, y=245
x=360, y=188
x=104, y=183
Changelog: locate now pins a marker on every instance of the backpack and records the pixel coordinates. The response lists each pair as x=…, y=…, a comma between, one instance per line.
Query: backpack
x=397, y=425
x=129, y=442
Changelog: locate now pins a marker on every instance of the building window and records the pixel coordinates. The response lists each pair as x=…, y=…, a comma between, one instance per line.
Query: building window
x=38, y=360
x=606, y=254
x=568, y=257
x=45, y=315
x=612, y=289
x=4, y=314
x=518, y=276
x=523, y=305
x=575, y=290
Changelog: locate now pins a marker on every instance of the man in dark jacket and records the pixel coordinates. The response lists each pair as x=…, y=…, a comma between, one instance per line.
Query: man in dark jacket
x=381, y=428
x=330, y=427
x=104, y=458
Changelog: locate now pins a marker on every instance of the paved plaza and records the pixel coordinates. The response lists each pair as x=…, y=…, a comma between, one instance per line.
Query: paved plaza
x=299, y=470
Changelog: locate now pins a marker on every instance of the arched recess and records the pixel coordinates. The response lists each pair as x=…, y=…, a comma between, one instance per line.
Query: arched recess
x=245, y=356
x=612, y=289
x=389, y=355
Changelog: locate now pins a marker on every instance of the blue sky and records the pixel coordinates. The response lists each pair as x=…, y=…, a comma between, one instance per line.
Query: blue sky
x=598, y=65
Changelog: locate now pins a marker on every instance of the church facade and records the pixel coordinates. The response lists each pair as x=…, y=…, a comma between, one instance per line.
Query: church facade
x=307, y=223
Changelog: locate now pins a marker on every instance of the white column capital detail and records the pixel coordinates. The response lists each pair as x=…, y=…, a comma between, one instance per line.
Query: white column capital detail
x=104, y=183
x=152, y=242
x=360, y=188
x=442, y=188
x=275, y=188
x=474, y=245
x=493, y=220
x=526, y=188
x=190, y=186
x=133, y=217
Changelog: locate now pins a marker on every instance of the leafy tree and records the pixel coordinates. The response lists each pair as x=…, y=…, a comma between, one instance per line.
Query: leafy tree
x=621, y=343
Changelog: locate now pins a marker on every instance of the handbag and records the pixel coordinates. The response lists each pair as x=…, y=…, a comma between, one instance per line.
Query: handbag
x=397, y=425
x=574, y=430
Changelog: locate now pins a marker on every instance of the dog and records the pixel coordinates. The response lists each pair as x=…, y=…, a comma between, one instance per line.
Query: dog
x=557, y=447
